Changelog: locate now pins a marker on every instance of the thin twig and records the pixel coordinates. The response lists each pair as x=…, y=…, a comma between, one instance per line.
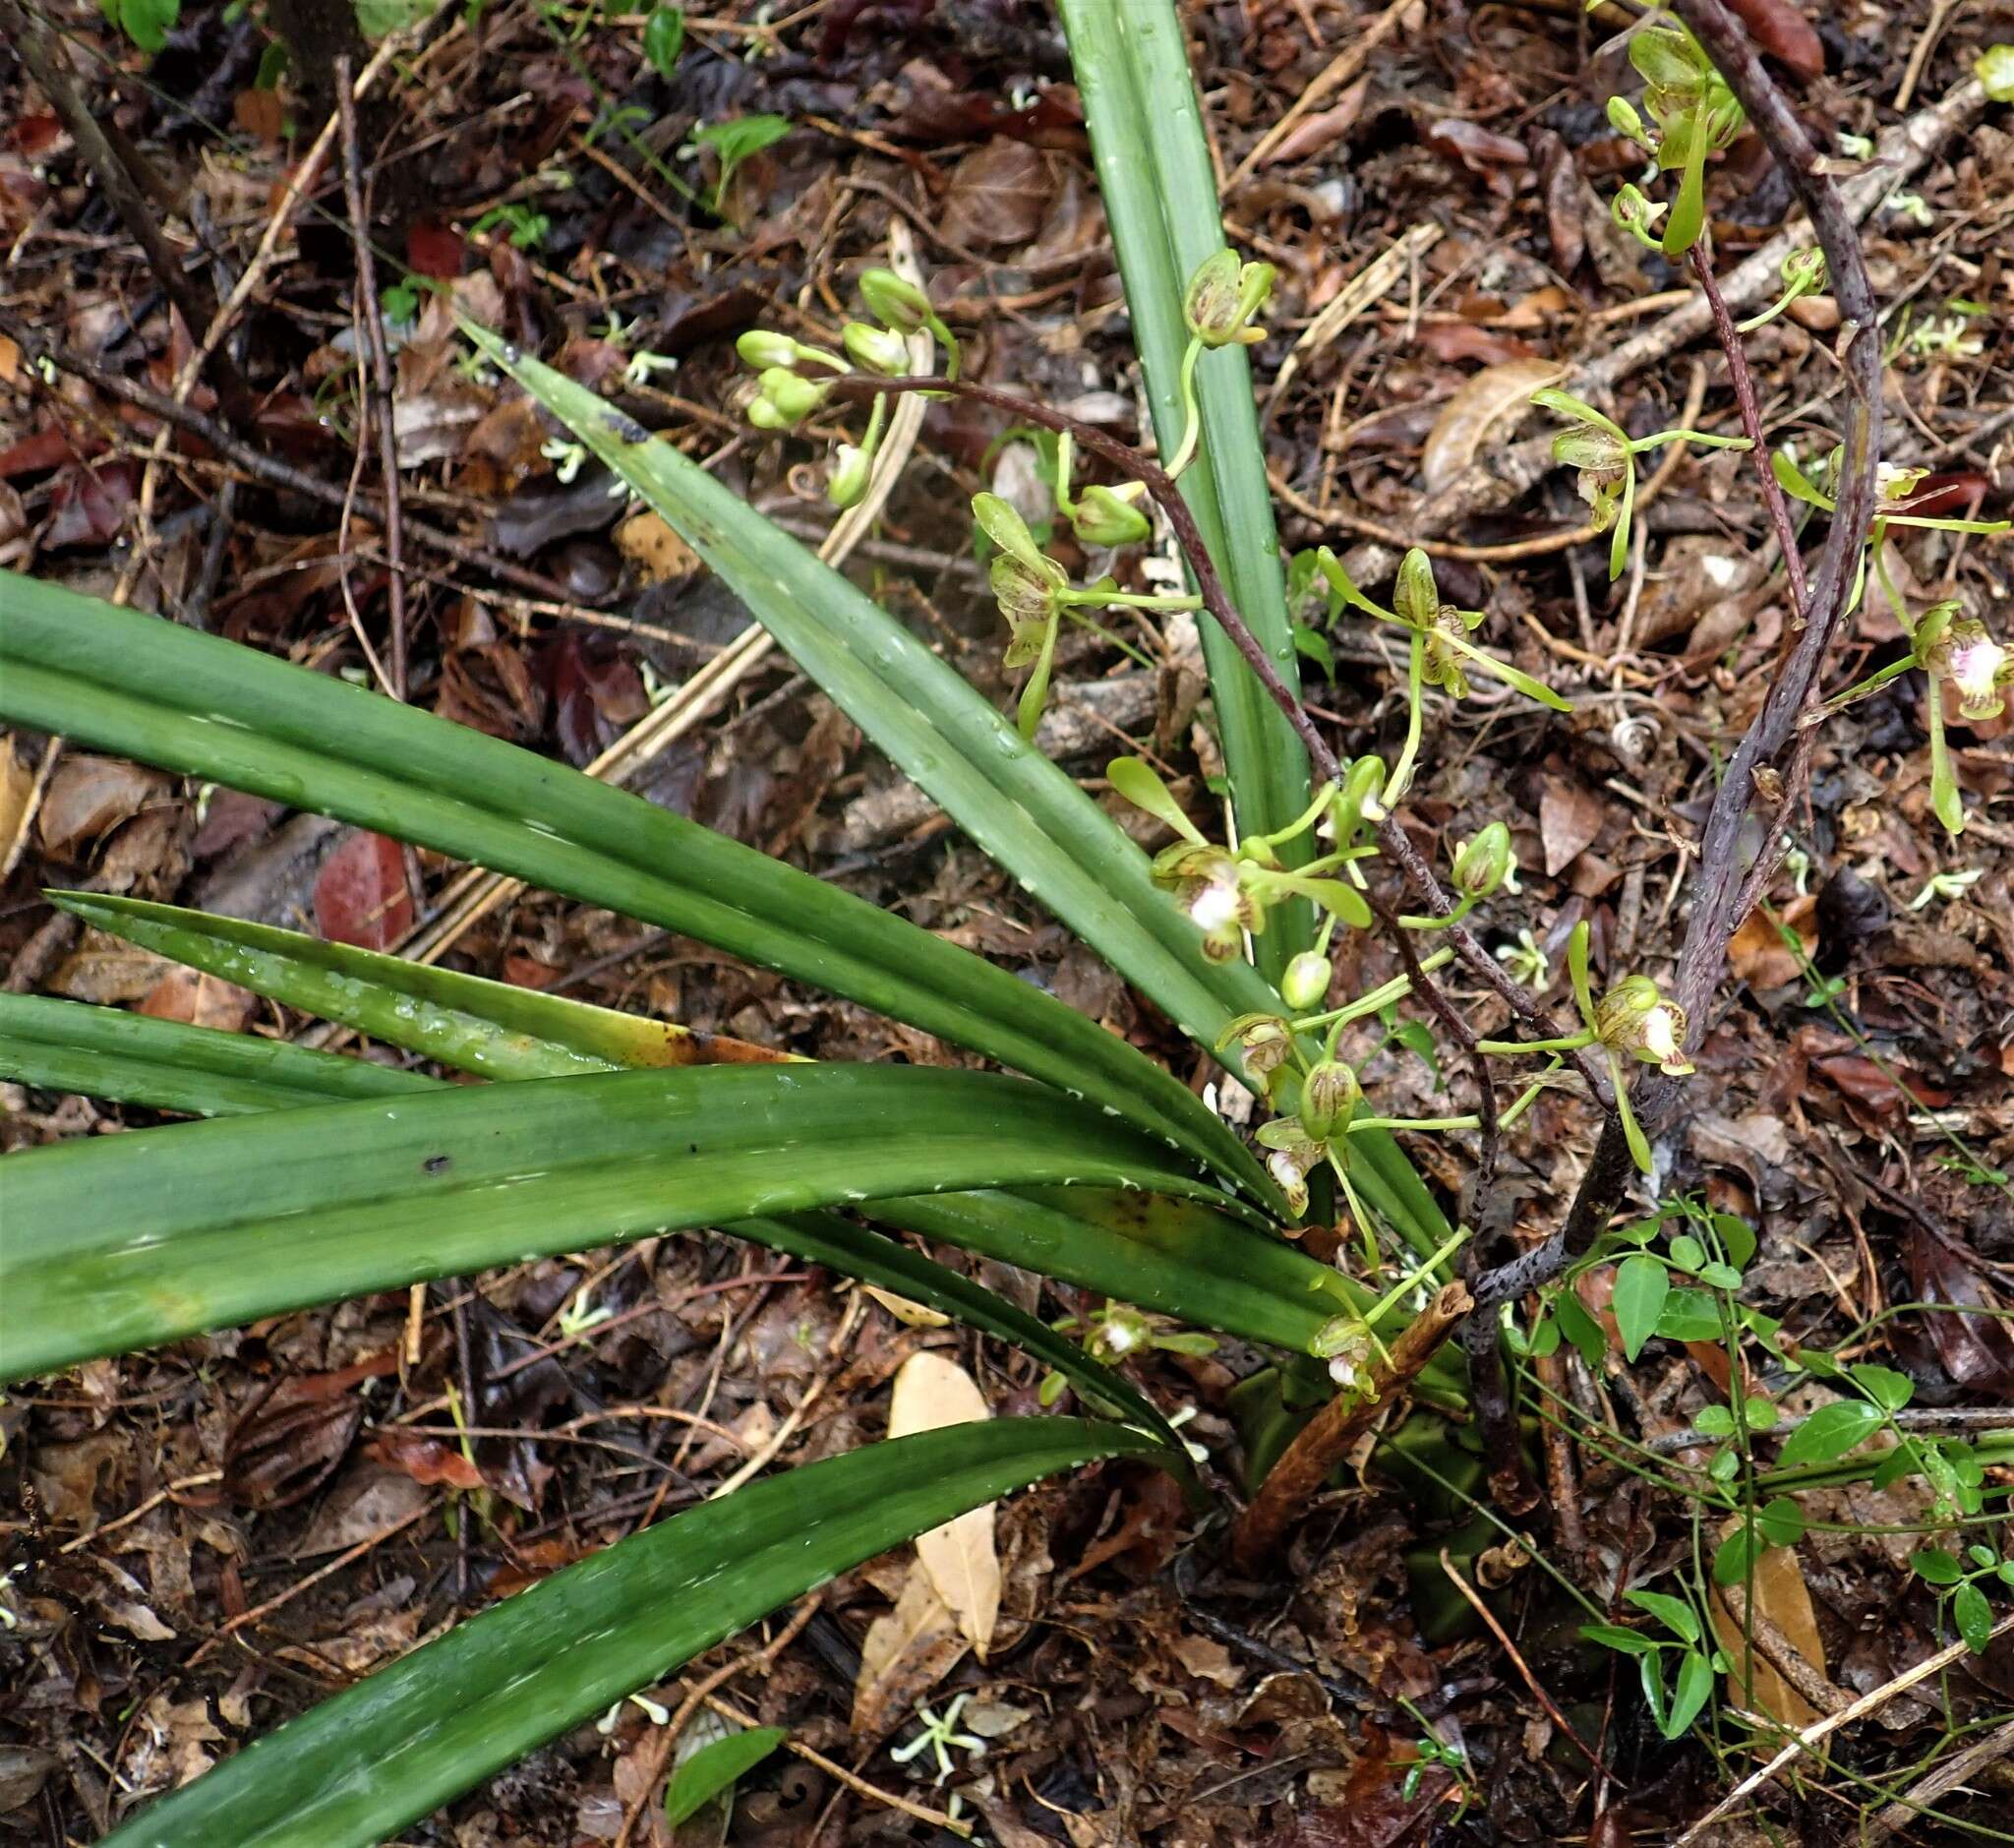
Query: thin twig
x=1531, y=1681
x=1743, y=382
x=1822, y=1729
x=381, y=371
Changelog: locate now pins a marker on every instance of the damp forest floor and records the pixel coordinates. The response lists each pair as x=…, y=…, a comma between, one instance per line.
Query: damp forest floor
x=205, y=1540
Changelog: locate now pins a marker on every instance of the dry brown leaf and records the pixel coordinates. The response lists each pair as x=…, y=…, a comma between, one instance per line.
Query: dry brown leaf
x=657, y=552
x=90, y=796
x=929, y=1393
x=996, y=195
x=1483, y=401
x=1757, y=953
x=1782, y=1597
x=904, y=1654
x=197, y=999
x=1568, y=819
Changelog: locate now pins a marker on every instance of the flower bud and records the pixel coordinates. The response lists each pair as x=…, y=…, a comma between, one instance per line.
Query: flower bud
x=1805, y=270
x=1635, y=1017
x=761, y=349
x=1222, y=297
x=1104, y=518
x=902, y=305
x=1356, y=803
x=795, y=399
x=1625, y=120
x=1305, y=985
x=1330, y=1095
x=851, y=467
x=875, y=350
x=1485, y=863
x=765, y=416
x=1415, y=597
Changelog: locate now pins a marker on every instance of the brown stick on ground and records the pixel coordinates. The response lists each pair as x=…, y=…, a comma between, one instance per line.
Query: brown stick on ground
x=32, y=37
x=380, y=392
x=1327, y=1437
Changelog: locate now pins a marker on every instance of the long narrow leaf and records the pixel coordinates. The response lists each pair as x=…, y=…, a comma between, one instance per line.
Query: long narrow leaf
x=106, y=1052
x=492, y=1028
x=132, y=683
x=1160, y=192
x=1025, y=813
x=118, y=1243
x=1158, y=1253
x=198, y=1069
x=358, y=1768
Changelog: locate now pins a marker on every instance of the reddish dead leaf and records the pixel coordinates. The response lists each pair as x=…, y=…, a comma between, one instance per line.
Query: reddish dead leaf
x=434, y=250
x=1316, y=132
x=1477, y=148
x=1757, y=952
x=1977, y=1350
x=1463, y=339
x=1784, y=32
x=1376, y=1812
x=596, y=691
x=261, y=114
x=1865, y=1083
x=288, y=1443
x=88, y=504
x=1148, y=1525
x=426, y=1460
x=996, y=195
x=1949, y=494
x=361, y=895
x=1568, y=819
x=197, y=999
x=539, y=1560
x=36, y=454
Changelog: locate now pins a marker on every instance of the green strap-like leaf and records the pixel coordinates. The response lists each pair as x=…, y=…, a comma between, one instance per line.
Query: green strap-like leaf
x=1160, y=192
x=1174, y=1256
x=358, y=1768
x=1024, y=812
x=106, y=1052
x=490, y=1027
x=119, y=1242
x=197, y=1069
x=122, y=682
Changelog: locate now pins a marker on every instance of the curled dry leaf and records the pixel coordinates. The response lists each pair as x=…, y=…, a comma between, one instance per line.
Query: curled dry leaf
x=1493, y=395
x=960, y=1558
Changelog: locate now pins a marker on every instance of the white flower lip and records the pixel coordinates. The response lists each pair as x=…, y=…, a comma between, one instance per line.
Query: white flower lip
x=1659, y=1033
x=1976, y=666
x=1215, y=906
